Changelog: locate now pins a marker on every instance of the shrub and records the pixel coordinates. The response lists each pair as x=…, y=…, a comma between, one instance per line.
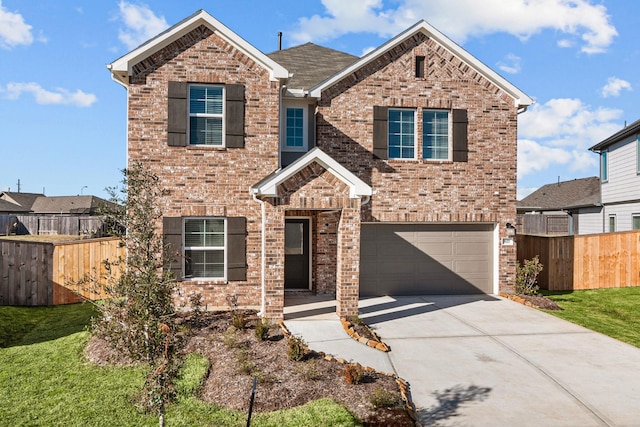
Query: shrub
x=381, y=398
x=309, y=370
x=262, y=329
x=353, y=373
x=527, y=276
x=296, y=349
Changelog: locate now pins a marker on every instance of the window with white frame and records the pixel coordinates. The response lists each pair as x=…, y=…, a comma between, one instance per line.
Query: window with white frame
x=435, y=135
x=204, y=247
x=295, y=128
x=402, y=134
x=604, y=166
x=612, y=223
x=635, y=221
x=206, y=115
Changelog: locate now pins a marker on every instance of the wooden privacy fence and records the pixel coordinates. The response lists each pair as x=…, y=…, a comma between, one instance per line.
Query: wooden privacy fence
x=543, y=224
x=37, y=273
x=70, y=225
x=593, y=261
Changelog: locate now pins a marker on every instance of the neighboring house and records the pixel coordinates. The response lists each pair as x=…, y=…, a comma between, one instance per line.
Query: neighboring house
x=11, y=208
x=68, y=205
x=311, y=169
x=567, y=207
x=25, y=200
x=620, y=176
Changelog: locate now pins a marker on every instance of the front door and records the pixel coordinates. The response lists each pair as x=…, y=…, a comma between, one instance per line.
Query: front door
x=296, y=253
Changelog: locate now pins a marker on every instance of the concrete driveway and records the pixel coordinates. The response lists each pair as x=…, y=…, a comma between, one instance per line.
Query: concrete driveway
x=485, y=360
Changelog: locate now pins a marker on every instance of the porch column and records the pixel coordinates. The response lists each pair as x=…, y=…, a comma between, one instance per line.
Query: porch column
x=348, y=268
x=274, y=257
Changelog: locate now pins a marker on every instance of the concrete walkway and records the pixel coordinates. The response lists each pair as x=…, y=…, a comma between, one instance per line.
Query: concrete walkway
x=485, y=360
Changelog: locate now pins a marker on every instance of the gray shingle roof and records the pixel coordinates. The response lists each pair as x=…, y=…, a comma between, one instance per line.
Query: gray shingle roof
x=577, y=193
x=311, y=64
x=67, y=205
x=25, y=200
x=8, y=207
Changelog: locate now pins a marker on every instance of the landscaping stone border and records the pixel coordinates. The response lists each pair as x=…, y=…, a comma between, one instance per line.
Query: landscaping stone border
x=403, y=385
x=376, y=342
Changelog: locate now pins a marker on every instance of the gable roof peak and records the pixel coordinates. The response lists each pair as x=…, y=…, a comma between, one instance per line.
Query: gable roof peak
x=520, y=98
x=121, y=68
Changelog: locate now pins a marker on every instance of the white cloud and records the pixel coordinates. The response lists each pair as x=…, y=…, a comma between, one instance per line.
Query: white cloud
x=510, y=64
x=13, y=30
x=560, y=132
x=614, y=86
x=522, y=18
x=141, y=24
x=42, y=96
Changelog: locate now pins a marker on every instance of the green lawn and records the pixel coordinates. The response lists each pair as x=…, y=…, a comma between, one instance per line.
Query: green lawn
x=613, y=312
x=44, y=380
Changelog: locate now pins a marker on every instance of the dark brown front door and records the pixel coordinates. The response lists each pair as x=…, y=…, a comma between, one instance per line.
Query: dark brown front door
x=296, y=253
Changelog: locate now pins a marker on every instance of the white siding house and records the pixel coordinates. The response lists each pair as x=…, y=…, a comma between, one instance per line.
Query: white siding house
x=620, y=179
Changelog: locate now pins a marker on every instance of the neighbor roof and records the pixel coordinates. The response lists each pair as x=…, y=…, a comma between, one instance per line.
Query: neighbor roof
x=68, y=204
x=122, y=67
x=311, y=64
x=25, y=200
x=520, y=98
x=8, y=207
x=573, y=194
x=624, y=133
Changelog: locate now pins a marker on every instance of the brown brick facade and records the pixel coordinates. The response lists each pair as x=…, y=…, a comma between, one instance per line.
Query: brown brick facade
x=208, y=181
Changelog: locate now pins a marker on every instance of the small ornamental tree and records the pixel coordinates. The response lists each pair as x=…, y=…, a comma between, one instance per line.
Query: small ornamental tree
x=139, y=318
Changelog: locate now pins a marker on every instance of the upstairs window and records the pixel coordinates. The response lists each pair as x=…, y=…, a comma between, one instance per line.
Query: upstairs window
x=420, y=67
x=638, y=155
x=402, y=134
x=206, y=118
x=295, y=129
x=635, y=222
x=435, y=135
x=612, y=223
x=604, y=166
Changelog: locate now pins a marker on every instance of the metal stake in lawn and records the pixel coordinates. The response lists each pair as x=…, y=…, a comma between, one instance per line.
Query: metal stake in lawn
x=253, y=396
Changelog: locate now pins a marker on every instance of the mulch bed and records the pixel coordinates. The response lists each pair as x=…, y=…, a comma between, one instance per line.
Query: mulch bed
x=237, y=356
x=536, y=301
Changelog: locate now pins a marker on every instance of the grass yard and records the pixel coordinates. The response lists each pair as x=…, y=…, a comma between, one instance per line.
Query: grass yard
x=613, y=312
x=44, y=380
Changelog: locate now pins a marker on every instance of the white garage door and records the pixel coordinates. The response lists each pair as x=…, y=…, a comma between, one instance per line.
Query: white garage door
x=414, y=259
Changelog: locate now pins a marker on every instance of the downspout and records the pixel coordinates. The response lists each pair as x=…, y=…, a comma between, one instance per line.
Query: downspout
x=263, y=246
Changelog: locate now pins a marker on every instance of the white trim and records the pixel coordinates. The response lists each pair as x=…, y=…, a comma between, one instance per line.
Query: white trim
x=309, y=248
x=519, y=97
x=269, y=186
x=122, y=67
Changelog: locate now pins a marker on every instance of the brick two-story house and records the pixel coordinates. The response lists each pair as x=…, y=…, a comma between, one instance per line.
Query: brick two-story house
x=312, y=169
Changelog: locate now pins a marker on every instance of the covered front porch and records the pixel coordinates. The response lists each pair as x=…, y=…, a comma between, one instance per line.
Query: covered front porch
x=311, y=232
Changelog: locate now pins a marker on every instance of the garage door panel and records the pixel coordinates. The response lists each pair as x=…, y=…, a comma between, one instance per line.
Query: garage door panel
x=410, y=259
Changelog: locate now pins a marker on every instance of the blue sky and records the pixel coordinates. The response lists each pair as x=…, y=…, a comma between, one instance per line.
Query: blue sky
x=63, y=121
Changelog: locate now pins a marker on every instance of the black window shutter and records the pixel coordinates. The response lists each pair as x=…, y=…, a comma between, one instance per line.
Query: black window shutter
x=173, y=255
x=380, y=132
x=236, y=248
x=311, y=135
x=460, y=142
x=177, y=114
x=234, y=126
